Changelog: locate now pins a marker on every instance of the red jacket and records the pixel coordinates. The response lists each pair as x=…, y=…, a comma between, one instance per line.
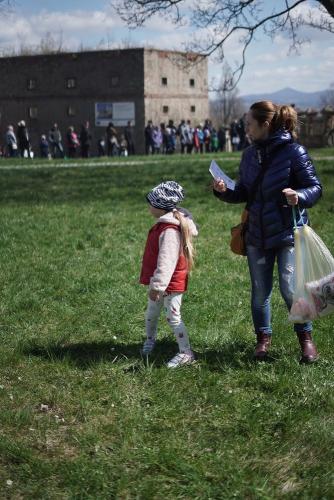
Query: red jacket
x=179, y=280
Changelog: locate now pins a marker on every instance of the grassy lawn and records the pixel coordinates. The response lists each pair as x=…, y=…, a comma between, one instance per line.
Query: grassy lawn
x=82, y=415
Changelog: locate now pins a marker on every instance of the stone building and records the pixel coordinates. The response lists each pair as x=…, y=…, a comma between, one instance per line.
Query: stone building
x=316, y=127
x=102, y=86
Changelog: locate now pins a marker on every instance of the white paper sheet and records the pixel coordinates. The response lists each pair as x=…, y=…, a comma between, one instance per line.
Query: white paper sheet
x=218, y=174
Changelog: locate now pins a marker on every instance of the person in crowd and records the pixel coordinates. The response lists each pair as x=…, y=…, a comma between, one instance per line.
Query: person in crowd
x=101, y=147
x=228, y=143
x=148, y=137
x=156, y=139
x=167, y=260
x=123, y=146
x=44, y=147
x=214, y=141
x=128, y=134
x=196, y=139
x=235, y=140
x=221, y=138
x=171, y=137
x=199, y=139
x=186, y=135
x=11, y=142
x=241, y=129
x=23, y=140
x=72, y=142
x=85, y=138
x=164, y=137
x=275, y=174
x=112, y=140
x=207, y=135
x=55, y=141
x=190, y=137
x=183, y=134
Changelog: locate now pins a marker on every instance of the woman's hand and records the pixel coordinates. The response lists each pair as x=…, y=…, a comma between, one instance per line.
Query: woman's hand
x=291, y=196
x=154, y=295
x=219, y=185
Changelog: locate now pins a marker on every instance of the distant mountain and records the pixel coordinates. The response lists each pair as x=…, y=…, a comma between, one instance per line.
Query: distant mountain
x=288, y=95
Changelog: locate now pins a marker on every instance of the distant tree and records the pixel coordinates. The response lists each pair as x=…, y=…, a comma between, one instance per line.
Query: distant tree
x=217, y=22
x=328, y=98
x=226, y=105
x=49, y=44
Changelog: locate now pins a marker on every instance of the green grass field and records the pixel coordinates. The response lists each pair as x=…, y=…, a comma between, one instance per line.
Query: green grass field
x=82, y=415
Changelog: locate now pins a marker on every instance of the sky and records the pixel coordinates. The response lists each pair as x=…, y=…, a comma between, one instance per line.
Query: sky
x=83, y=23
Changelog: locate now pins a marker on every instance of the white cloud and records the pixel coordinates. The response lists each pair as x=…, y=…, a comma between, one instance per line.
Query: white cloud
x=270, y=57
x=75, y=21
x=268, y=66
x=302, y=77
x=75, y=27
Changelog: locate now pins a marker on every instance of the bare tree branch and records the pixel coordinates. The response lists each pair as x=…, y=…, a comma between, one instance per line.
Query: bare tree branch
x=136, y=12
x=216, y=22
x=5, y=5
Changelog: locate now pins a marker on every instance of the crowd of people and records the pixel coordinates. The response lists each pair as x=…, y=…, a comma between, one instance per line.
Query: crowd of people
x=17, y=143
x=159, y=139
x=203, y=138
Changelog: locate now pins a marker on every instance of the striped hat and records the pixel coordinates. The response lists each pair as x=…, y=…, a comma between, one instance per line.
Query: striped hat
x=166, y=195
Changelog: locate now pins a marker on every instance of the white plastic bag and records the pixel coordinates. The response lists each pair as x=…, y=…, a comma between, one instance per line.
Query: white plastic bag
x=313, y=277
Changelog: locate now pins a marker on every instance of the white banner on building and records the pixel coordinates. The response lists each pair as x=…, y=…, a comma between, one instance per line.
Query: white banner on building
x=119, y=113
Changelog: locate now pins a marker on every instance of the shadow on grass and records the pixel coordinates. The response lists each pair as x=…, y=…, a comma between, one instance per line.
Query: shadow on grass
x=85, y=354
x=234, y=355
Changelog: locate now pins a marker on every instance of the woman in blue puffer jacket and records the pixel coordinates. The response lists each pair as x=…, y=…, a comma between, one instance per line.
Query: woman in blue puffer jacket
x=288, y=178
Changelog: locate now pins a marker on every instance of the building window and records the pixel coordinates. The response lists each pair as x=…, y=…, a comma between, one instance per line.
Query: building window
x=33, y=112
x=192, y=82
x=70, y=111
x=115, y=81
x=192, y=109
x=165, y=109
x=163, y=80
x=31, y=84
x=71, y=83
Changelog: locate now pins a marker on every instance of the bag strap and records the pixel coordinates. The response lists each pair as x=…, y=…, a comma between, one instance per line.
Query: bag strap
x=264, y=164
x=294, y=215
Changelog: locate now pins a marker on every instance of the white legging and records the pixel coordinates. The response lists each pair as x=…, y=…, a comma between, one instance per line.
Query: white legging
x=172, y=303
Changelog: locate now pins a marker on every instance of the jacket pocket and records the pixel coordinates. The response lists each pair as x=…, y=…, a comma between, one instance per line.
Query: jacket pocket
x=286, y=215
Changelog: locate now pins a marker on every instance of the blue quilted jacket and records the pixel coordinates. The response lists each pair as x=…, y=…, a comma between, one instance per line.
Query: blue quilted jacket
x=270, y=223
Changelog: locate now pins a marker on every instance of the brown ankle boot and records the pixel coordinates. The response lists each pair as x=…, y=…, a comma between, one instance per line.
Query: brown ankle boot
x=309, y=351
x=262, y=346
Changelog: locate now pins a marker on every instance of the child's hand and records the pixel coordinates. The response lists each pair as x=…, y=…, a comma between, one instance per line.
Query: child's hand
x=154, y=295
x=219, y=185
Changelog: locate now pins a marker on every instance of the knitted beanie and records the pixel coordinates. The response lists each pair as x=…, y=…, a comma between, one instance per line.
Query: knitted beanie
x=166, y=195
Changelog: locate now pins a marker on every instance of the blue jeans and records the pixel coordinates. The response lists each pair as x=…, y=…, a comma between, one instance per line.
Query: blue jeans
x=261, y=266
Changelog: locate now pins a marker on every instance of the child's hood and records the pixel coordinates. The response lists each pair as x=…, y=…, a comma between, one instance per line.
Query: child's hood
x=170, y=219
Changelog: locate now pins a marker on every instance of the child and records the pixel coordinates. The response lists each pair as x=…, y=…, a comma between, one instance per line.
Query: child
x=44, y=147
x=123, y=146
x=167, y=260
x=101, y=151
